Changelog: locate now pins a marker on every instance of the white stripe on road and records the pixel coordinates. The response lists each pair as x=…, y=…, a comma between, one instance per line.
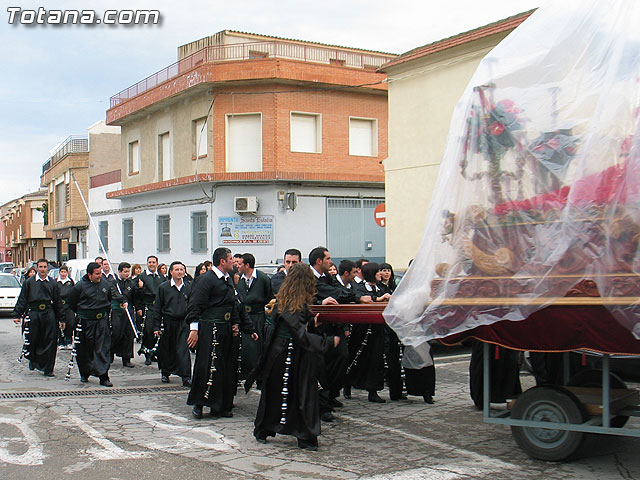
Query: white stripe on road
x=109, y=450
x=34, y=454
x=481, y=461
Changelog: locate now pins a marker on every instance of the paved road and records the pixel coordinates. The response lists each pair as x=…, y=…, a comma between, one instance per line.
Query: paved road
x=142, y=429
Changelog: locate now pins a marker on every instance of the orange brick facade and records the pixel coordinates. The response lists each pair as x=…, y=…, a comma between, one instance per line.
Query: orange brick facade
x=274, y=88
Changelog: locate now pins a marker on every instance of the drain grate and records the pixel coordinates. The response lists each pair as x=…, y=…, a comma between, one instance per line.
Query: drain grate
x=92, y=393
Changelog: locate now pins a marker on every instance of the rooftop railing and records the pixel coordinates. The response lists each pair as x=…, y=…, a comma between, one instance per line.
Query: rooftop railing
x=72, y=144
x=246, y=51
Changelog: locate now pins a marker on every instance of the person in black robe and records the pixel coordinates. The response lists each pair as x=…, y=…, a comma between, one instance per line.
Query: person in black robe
x=122, y=333
x=213, y=318
x=91, y=299
x=168, y=316
x=254, y=289
x=150, y=280
x=40, y=300
x=366, y=342
x=288, y=369
x=291, y=257
x=66, y=285
x=504, y=378
x=420, y=371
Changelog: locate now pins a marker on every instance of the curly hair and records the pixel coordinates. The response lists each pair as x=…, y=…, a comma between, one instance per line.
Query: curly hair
x=297, y=290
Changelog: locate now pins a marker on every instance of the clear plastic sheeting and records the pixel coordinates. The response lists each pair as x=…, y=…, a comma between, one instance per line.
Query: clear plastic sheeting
x=538, y=193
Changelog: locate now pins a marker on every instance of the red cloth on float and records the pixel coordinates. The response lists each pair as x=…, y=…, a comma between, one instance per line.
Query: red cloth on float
x=558, y=329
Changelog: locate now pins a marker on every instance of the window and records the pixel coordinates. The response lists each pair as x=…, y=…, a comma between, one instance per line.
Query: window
x=164, y=157
x=244, y=143
x=103, y=230
x=36, y=216
x=134, y=158
x=127, y=235
x=199, y=232
x=164, y=233
x=363, y=137
x=306, y=132
x=200, y=137
x=60, y=200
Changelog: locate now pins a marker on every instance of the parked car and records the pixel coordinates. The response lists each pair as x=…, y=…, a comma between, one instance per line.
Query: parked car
x=269, y=268
x=9, y=292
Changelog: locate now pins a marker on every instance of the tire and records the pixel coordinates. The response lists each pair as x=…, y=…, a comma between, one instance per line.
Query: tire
x=592, y=378
x=548, y=404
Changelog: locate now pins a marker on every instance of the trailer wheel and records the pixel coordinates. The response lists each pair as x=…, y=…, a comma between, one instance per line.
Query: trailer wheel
x=548, y=404
x=592, y=378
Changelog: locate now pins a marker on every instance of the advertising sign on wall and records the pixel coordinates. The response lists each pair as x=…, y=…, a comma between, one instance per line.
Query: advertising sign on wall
x=245, y=230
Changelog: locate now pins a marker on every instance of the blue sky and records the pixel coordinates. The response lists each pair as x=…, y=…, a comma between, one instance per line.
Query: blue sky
x=56, y=81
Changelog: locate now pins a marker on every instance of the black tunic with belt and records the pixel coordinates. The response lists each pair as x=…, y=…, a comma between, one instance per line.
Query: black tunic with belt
x=366, y=349
x=69, y=316
x=92, y=303
x=213, y=304
x=148, y=296
x=41, y=301
x=288, y=372
x=333, y=363
x=168, y=315
x=122, y=334
x=254, y=298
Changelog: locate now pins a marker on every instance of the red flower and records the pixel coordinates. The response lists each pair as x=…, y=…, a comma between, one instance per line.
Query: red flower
x=509, y=106
x=496, y=128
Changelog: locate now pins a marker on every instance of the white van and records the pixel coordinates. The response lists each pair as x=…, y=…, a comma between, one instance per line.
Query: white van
x=77, y=268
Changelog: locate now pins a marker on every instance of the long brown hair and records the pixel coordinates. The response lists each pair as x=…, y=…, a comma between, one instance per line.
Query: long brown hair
x=297, y=290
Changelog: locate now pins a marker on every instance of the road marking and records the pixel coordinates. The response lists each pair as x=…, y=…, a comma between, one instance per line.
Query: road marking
x=479, y=460
x=34, y=454
x=218, y=441
x=109, y=450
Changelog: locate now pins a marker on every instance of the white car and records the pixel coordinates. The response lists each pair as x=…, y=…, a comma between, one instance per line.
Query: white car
x=9, y=292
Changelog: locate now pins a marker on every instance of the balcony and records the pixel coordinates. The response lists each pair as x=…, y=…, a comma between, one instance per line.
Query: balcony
x=257, y=50
x=72, y=144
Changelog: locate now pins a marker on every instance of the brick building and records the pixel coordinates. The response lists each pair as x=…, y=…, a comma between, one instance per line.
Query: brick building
x=257, y=143
x=24, y=229
x=67, y=219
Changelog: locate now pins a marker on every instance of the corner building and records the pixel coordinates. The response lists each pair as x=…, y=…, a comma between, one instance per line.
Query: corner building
x=256, y=143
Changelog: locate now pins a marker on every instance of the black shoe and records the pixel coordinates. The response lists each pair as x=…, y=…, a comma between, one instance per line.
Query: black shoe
x=308, y=445
x=105, y=382
x=164, y=379
x=260, y=438
x=428, y=399
x=375, y=398
x=147, y=360
x=336, y=403
x=31, y=367
x=347, y=393
x=127, y=363
x=186, y=382
x=326, y=417
x=49, y=374
x=83, y=379
x=196, y=411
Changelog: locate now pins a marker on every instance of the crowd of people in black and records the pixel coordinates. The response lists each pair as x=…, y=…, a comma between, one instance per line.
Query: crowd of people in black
x=241, y=324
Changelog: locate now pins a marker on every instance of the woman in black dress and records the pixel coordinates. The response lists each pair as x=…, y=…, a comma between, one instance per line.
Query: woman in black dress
x=287, y=370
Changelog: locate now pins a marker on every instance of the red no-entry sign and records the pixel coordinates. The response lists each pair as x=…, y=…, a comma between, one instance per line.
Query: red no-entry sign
x=380, y=215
